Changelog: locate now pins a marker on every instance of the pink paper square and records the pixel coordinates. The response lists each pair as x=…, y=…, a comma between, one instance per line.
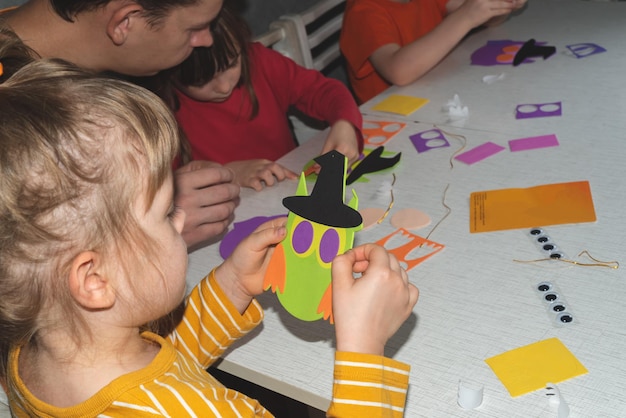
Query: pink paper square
x=479, y=153
x=533, y=142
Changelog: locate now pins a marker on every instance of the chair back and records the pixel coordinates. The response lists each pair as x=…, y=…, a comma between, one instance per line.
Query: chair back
x=310, y=38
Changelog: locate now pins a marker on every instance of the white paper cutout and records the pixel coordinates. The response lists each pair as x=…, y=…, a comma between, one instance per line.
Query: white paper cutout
x=492, y=78
x=456, y=110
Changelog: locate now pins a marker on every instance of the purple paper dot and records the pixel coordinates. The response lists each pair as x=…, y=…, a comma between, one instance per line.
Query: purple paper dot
x=302, y=237
x=329, y=245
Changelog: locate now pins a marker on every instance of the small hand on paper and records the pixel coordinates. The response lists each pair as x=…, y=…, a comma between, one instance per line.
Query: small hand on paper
x=343, y=138
x=370, y=309
x=205, y=191
x=241, y=275
x=256, y=174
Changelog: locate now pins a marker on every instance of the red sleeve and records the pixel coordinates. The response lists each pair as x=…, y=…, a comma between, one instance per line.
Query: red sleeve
x=317, y=96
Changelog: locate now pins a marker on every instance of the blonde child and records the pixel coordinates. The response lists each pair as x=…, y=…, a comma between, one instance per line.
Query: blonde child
x=395, y=42
x=94, y=320
x=232, y=99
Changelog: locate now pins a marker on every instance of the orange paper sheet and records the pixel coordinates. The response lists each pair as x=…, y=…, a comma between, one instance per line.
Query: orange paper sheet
x=550, y=204
x=531, y=367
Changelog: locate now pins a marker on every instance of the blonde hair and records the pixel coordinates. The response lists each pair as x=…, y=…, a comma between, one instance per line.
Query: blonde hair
x=76, y=153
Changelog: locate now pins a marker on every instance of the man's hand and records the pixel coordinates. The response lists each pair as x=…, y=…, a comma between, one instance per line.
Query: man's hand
x=205, y=191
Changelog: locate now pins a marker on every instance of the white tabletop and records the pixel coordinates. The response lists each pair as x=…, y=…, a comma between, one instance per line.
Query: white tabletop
x=475, y=301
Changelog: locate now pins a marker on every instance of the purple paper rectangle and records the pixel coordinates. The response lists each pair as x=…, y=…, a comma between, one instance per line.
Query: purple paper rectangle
x=533, y=142
x=479, y=153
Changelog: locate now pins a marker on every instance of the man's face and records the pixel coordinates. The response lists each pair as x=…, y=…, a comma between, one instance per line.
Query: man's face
x=151, y=49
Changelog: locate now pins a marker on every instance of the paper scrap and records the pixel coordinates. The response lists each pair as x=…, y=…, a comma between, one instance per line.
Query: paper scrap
x=583, y=50
x=479, y=153
x=403, y=105
x=550, y=204
x=409, y=218
x=490, y=78
x=538, y=110
x=427, y=140
x=455, y=109
x=409, y=249
x=377, y=133
x=535, y=142
x=531, y=367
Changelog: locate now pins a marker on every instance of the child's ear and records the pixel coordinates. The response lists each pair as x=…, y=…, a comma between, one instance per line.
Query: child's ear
x=88, y=283
x=120, y=20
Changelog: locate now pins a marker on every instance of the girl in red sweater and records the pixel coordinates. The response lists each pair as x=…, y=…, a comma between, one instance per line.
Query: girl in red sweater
x=231, y=100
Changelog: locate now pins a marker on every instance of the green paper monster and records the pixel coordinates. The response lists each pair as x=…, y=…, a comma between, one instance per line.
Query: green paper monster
x=319, y=226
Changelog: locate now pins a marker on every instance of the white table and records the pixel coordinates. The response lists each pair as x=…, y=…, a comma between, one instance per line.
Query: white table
x=475, y=301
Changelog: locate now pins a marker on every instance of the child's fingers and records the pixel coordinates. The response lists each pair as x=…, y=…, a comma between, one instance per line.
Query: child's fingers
x=268, y=233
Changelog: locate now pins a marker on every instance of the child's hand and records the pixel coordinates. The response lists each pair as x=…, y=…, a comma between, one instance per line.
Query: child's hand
x=342, y=137
x=255, y=173
x=241, y=275
x=370, y=309
x=479, y=12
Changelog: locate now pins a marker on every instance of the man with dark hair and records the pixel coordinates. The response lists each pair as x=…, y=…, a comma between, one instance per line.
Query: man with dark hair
x=137, y=38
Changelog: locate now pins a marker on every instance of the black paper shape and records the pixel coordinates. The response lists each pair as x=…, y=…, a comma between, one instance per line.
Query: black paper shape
x=371, y=163
x=325, y=203
x=531, y=49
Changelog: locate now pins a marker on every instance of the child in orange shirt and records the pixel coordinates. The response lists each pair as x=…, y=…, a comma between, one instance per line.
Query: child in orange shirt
x=395, y=42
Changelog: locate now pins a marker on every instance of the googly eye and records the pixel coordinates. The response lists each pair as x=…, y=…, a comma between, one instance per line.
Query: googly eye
x=544, y=286
x=565, y=318
x=558, y=307
x=551, y=297
x=536, y=231
x=556, y=255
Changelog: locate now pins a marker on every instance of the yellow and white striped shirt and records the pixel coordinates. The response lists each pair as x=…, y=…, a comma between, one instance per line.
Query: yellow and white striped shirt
x=176, y=384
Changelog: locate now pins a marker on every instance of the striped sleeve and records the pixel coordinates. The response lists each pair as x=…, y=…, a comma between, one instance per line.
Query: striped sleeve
x=211, y=323
x=368, y=386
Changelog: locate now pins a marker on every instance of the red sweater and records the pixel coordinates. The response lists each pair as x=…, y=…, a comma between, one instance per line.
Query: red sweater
x=223, y=132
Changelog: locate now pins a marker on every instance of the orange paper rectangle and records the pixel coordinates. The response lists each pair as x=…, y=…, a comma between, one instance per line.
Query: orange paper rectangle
x=550, y=204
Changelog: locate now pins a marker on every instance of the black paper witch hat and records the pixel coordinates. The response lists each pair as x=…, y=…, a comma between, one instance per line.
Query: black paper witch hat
x=325, y=203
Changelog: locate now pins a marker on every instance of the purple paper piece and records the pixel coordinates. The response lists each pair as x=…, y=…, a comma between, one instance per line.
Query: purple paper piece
x=583, y=50
x=489, y=54
x=534, y=142
x=479, y=153
x=421, y=140
x=239, y=232
x=538, y=110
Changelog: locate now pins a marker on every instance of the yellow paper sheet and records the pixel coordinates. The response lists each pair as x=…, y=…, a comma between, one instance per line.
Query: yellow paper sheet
x=550, y=204
x=403, y=105
x=533, y=366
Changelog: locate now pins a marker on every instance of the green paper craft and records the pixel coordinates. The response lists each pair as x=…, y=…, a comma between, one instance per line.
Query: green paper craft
x=319, y=226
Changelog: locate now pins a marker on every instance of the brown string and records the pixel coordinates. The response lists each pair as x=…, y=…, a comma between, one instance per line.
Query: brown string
x=449, y=210
x=391, y=202
x=598, y=263
x=461, y=139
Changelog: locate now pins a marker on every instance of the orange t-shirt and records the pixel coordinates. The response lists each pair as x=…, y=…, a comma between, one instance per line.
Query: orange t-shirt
x=370, y=24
